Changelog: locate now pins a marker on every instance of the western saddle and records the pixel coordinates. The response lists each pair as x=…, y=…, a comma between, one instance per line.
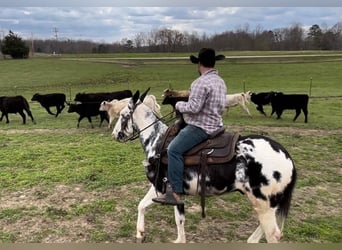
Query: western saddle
x=217, y=149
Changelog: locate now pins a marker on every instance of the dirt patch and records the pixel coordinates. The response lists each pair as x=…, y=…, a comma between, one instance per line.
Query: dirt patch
x=64, y=213
x=50, y=215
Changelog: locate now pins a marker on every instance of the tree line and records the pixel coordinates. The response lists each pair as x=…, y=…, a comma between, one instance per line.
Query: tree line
x=294, y=37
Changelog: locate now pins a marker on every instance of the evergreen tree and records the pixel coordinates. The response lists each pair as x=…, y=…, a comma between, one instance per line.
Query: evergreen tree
x=14, y=46
x=315, y=36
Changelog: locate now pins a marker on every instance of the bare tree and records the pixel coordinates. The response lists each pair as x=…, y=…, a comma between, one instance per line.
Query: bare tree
x=140, y=40
x=336, y=31
x=293, y=39
x=263, y=40
x=242, y=38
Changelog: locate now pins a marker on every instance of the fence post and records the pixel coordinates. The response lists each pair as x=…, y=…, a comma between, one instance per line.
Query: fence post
x=69, y=92
x=244, y=86
x=310, y=86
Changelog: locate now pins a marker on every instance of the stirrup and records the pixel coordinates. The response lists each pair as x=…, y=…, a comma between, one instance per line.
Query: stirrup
x=169, y=198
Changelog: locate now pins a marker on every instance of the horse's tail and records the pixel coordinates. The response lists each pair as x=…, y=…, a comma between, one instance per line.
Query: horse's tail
x=285, y=201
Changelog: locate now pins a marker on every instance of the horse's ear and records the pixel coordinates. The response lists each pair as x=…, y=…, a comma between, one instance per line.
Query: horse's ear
x=136, y=96
x=143, y=95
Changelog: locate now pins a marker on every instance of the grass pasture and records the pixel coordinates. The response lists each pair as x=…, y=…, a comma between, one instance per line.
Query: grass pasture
x=63, y=184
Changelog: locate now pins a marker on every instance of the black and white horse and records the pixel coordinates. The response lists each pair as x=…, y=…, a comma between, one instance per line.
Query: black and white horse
x=262, y=169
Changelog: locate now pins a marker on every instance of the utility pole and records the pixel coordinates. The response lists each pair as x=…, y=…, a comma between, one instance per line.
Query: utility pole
x=55, y=30
x=32, y=44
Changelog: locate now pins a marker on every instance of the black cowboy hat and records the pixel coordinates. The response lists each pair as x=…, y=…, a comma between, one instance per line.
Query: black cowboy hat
x=207, y=57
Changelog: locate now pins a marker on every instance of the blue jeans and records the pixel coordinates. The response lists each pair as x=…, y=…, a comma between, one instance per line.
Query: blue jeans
x=187, y=138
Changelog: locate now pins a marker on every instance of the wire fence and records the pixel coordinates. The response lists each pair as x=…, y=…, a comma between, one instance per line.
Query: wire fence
x=71, y=91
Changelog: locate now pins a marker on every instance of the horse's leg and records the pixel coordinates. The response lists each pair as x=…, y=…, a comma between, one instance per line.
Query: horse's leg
x=268, y=222
x=143, y=204
x=256, y=236
x=180, y=220
x=259, y=232
x=267, y=219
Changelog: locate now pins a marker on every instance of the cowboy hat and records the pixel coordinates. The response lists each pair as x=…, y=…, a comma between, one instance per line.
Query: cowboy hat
x=206, y=57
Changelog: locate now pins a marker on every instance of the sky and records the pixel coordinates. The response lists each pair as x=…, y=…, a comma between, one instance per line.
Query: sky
x=87, y=20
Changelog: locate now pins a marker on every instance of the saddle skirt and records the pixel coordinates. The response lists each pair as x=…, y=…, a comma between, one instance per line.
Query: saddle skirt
x=217, y=150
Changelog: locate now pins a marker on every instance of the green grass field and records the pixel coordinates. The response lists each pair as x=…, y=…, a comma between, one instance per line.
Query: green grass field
x=63, y=184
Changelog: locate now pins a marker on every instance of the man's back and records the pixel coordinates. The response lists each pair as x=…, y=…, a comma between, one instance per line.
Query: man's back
x=206, y=102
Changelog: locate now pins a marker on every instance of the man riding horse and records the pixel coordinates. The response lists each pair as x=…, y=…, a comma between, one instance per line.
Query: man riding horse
x=203, y=117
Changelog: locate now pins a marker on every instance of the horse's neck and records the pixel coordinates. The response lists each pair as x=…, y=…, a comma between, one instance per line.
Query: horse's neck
x=152, y=131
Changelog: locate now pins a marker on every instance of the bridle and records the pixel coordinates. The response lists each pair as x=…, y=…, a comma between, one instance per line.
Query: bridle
x=136, y=131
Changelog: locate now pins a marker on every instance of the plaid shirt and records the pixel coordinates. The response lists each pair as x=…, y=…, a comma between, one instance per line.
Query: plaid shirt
x=206, y=102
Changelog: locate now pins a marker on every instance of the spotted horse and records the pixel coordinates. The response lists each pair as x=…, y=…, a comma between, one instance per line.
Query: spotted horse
x=261, y=169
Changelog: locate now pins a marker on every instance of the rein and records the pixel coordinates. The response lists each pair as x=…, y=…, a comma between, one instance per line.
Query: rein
x=136, y=135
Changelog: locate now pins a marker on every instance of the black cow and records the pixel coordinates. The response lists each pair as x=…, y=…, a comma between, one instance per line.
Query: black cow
x=15, y=104
x=102, y=96
x=87, y=110
x=171, y=97
x=261, y=99
x=51, y=100
x=280, y=102
x=173, y=100
x=92, y=102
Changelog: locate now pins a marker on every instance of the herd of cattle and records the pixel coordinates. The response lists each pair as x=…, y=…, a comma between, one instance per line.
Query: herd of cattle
x=108, y=105
x=278, y=100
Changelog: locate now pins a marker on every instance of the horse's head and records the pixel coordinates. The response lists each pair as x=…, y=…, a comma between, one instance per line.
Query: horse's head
x=125, y=127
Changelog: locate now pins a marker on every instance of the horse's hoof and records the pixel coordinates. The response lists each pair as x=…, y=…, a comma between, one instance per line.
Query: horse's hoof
x=141, y=240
